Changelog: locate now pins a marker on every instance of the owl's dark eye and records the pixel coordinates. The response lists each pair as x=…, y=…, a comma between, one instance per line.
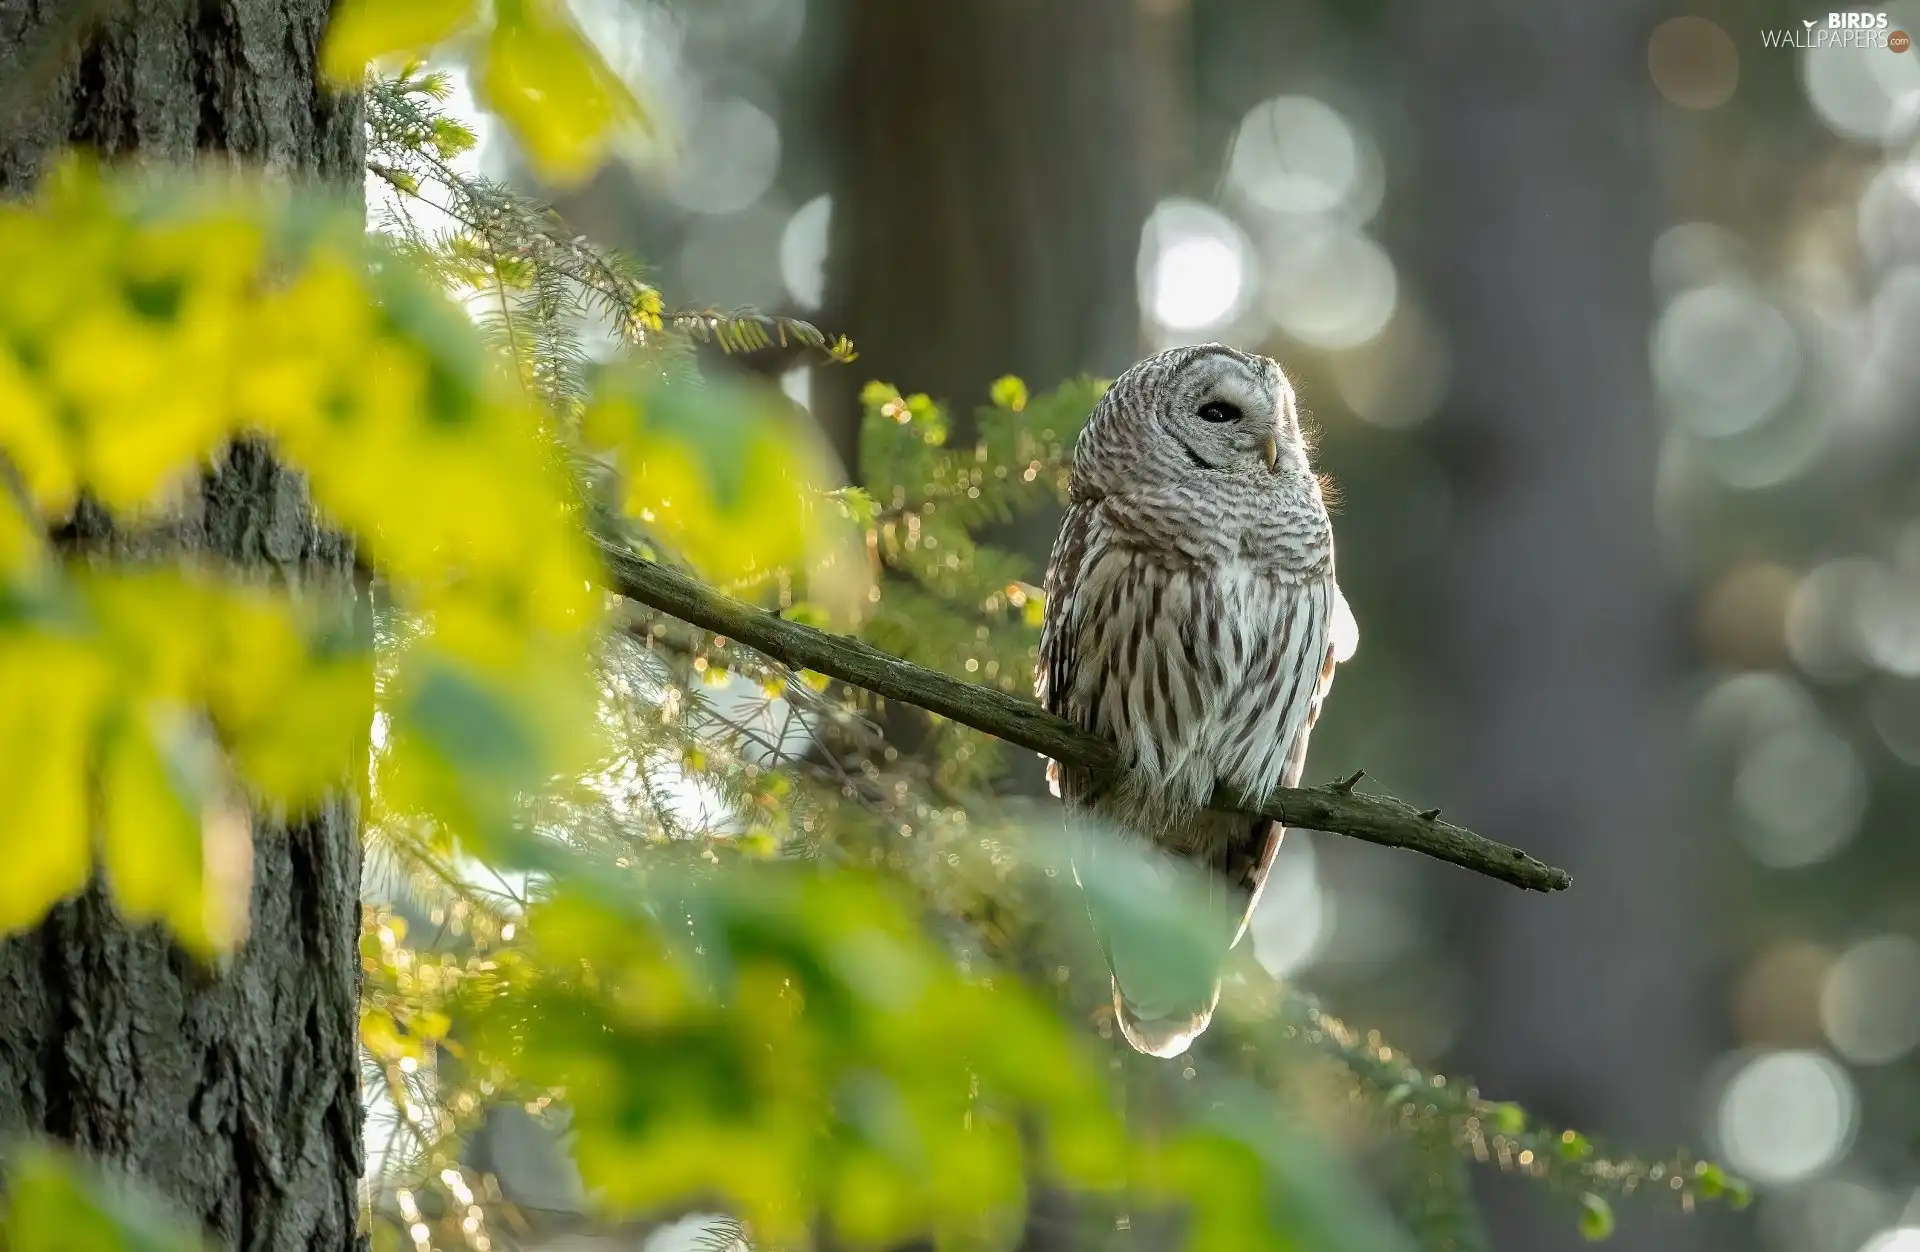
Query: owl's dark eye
x=1219, y=411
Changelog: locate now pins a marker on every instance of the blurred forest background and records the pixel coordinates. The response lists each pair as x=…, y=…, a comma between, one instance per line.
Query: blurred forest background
x=1607, y=317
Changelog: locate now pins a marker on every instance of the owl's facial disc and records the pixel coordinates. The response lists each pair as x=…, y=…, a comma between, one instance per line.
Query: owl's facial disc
x=1230, y=417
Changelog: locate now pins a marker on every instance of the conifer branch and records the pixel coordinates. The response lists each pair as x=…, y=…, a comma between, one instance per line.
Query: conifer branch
x=1336, y=809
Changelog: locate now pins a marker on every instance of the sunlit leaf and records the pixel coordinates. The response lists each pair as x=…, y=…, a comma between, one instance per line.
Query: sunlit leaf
x=22, y=548
x=55, y=692
x=734, y=482
x=361, y=31
x=1009, y=392
x=157, y=781
x=550, y=85
x=785, y=1021
x=40, y=451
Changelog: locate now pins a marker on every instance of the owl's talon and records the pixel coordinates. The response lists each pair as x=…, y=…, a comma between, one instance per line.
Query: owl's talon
x=1429, y=814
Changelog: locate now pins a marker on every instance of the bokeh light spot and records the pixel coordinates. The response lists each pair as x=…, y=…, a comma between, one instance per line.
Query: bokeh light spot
x=1725, y=358
x=1743, y=615
x=1776, y=1000
x=1194, y=267
x=803, y=252
x=1823, y=632
x=1696, y=254
x=1889, y=216
x=729, y=159
x=1894, y=709
x=1899, y=1239
x=1693, y=62
x=1862, y=93
x=1329, y=286
x=1801, y=794
x=1785, y=1116
x=1294, y=154
x=1870, y=1002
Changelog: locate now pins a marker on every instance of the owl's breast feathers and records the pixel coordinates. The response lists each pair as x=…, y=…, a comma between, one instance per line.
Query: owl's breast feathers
x=1203, y=663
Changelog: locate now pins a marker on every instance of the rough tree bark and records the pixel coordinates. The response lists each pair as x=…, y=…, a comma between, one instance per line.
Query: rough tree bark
x=1537, y=211
x=996, y=160
x=231, y=1092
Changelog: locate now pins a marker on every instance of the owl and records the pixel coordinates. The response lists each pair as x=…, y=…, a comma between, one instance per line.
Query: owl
x=1193, y=621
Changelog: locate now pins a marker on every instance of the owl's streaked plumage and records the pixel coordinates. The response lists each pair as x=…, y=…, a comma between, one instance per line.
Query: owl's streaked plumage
x=1192, y=620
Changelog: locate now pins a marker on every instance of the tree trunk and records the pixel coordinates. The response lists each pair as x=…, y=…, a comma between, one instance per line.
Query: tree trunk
x=996, y=160
x=232, y=1092
x=1537, y=216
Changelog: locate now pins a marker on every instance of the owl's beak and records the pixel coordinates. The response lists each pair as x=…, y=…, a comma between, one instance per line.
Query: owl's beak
x=1272, y=449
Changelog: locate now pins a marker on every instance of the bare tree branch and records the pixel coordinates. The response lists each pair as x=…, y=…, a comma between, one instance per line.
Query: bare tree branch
x=1337, y=808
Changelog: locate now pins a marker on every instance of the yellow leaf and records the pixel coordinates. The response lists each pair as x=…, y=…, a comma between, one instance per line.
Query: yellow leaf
x=150, y=829
x=315, y=738
x=429, y=1025
x=21, y=548
x=363, y=30
x=1010, y=392
x=380, y=1036
x=607, y=422
x=32, y=439
x=54, y=692
x=562, y=101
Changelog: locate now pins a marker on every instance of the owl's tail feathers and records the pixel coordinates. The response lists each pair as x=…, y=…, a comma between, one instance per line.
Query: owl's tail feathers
x=1163, y=1029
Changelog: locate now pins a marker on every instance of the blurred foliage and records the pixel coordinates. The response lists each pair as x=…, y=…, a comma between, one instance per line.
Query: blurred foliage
x=132, y=684
x=52, y=1201
x=153, y=323
x=533, y=67
x=616, y=866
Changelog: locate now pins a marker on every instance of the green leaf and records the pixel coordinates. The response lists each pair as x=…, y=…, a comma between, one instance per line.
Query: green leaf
x=55, y=1204
x=1574, y=1146
x=1155, y=918
x=1596, y=1218
x=1009, y=392
x=1509, y=1119
x=860, y=507
x=470, y=726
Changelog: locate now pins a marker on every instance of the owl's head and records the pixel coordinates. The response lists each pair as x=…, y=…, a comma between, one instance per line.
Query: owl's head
x=1204, y=416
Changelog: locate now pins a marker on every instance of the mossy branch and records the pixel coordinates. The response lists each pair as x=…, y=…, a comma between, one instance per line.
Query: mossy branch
x=1336, y=809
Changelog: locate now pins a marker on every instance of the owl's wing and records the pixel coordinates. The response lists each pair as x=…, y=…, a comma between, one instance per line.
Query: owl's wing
x=1054, y=674
x=1246, y=862
x=1343, y=640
